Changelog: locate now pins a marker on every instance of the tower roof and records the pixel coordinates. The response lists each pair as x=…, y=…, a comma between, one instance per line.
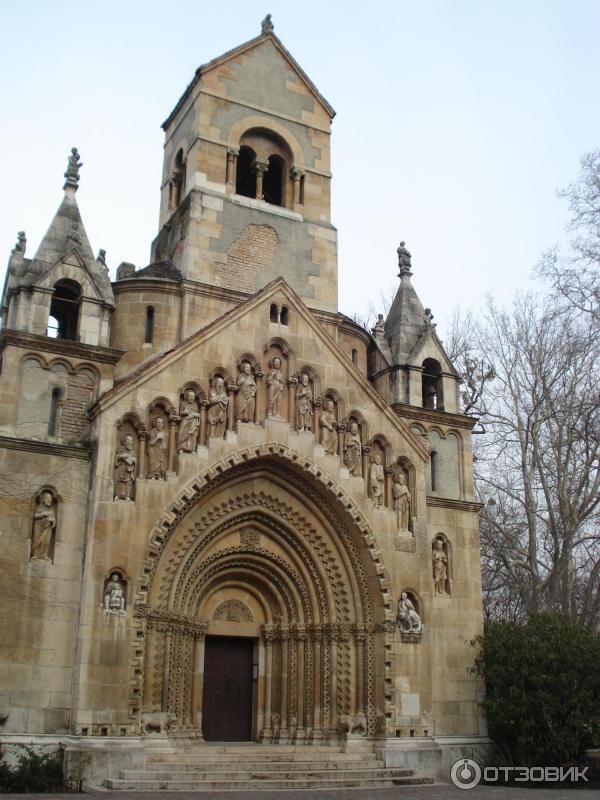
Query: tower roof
x=267, y=34
x=407, y=318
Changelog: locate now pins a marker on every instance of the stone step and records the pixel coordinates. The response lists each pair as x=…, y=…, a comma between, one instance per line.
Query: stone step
x=182, y=776
x=261, y=758
x=271, y=783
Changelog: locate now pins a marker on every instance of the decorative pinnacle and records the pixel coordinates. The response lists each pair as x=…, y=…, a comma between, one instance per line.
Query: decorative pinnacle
x=404, y=261
x=266, y=26
x=72, y=173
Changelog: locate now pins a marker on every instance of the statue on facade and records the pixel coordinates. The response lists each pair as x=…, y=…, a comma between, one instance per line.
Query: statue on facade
x=217, y=408
x=44, y=525
x=401, y=501
x=408, y=619
x=157, y=450
x=404, y=259
x=187, y=434
x=376, y=481
x=379, y=328
x=21, y=244
x=353, y=450
x=327, y=424
x=101, y=259
x=246, y=396
x=440, y=567
x=304, y=403
x=73, y=167
x=266, y=26
x=275, y=386
x=114, y=596
x=125, y=469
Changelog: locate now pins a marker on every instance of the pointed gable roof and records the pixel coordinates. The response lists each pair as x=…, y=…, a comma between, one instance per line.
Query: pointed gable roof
x=406, y=320
x=265, y=36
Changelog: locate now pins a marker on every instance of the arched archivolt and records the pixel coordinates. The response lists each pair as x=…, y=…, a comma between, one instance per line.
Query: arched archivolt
x=313, y=561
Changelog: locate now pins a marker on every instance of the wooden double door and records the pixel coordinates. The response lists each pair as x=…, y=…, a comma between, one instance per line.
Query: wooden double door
x=228, y=689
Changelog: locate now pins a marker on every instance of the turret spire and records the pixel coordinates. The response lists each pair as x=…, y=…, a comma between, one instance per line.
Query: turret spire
x=72, y=173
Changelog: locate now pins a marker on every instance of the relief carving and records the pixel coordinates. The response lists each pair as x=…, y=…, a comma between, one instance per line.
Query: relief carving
x=353, y=450
x=246, y=396
x=44, y=526
x=125, y=470
x=304, y=403
x=250, y=537
x=113, y=602
x=408, y=619
x=376, y=481
x=217, y=408
x=233, y=611
x=189, y=412
x=327, y=424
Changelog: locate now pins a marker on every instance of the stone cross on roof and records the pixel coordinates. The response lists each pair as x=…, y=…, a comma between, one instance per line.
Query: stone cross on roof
x=73, y=167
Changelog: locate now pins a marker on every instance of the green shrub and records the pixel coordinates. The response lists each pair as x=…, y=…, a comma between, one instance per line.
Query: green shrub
x=34, y=772
x=542, y=690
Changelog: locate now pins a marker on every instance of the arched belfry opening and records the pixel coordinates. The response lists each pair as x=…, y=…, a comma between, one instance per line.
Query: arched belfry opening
x=275, y=599
x=245, y=181
x=273, y=181
x=177, y=182
x=63, y=321
x=263, y=168
x=432, y=385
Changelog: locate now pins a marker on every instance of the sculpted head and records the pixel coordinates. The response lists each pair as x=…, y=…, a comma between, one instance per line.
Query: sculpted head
x=46, y=499
x=276, y=362
x=115, y=577
x=376, y=459
x=159, y=423
x=189, y=395
x=438, y=544
x=328, y=405
x=404, y=596
x=246, y=368
x=354, y=428
x=304, y=379
x=400, y=479
x=127, y=441
x=219, y=384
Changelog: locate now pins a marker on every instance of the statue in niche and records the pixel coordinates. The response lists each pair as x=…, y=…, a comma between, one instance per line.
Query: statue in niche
x=246, y=396
x=217, y=408
x=304, y=403
x=125, y=469
x=187, y=434
x=274, y=388
x=376, y=481
x=44, y=525
x=401, y=501
x=408, y=619
x=353, y=450
x=327, y=423
x=440, y=567
x=157, y=450
x=114, y=596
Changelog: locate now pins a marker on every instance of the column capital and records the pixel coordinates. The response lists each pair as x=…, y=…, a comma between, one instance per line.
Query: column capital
x=260, y=166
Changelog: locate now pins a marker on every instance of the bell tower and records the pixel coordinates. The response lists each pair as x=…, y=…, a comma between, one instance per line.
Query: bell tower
x=245, y=194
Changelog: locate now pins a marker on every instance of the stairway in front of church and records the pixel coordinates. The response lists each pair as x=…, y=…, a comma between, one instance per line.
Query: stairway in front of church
x=251, y=766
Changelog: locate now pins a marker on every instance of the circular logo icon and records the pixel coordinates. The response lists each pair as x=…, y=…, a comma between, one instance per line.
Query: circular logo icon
x=465, y=773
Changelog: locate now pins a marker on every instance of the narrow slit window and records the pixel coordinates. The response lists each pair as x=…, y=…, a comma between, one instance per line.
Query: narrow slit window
x=149, y=334
x=54, y=412
x=434, y=470
x=284, y=315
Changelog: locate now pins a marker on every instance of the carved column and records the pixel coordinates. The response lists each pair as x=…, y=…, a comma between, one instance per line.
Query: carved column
x=360, y=636
x=198, y=681
x=333, y=634
x=166, y=670
x=231, y=392
x=258, y=400
x=268, y=636
x=292, y=402
x=296, y=176
x=300, y=638
x=284, y=645
x=316, y=429
x=203, y=411
x=173, y=420
x=259, y=168
x=365, y=461
x=389, y=494
x=317, y=637
x=230, y=172
x=341, y=429
x=142, y=455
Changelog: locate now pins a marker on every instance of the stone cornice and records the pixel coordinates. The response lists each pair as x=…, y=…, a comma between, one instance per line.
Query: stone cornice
x=141, y=283
x=49, y=448
x=431, y=415
x=458, y=505
x=33, y=341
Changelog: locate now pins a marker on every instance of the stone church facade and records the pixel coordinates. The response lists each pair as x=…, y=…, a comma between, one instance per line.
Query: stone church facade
x=228, y=512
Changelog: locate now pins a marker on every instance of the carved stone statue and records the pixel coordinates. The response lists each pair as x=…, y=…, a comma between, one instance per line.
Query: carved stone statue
x=21, y=244
x=266, y=26
x=44, y=525
x=327, y=424
x=379, y=328
x=101, y=259
x=246, y=396
x=187, y=434
x=157, y=450
x=353, y=450
x=275, y=388
x=376, y=481
x=73, y=167
x=440, y=567
x=304, y=404
x=217, y=408
x=114, y=596
x=125, y=470
x=408, y=619
x=401, y=501
x=404, y=259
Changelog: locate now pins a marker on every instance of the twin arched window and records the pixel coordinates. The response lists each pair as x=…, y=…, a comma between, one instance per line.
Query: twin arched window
x=263, y=168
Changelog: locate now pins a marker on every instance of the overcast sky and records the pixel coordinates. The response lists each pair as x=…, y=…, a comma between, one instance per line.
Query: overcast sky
x=456, y=122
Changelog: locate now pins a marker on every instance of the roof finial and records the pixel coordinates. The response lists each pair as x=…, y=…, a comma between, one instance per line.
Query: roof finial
x=21, y=243
x=403, y=261
x=266, y=26
x=72, y=173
